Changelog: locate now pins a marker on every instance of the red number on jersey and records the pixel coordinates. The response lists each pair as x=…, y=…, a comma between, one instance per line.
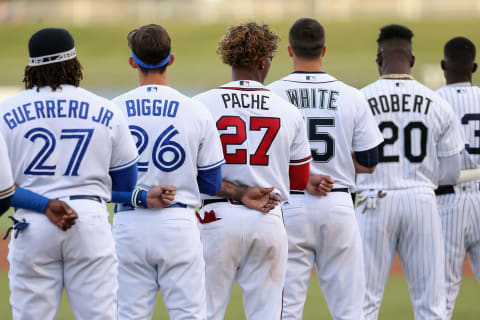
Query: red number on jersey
x=260, y=157
x=240, y=155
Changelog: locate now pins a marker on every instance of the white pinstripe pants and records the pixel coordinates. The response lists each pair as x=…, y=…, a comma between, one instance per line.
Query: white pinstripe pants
x=460, y=214
x=405, y=221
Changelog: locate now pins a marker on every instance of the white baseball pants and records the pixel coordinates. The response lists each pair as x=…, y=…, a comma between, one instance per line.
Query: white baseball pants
x=159, y=249
x=249, y=247
x=404, y=221
x=460, y=214
x=44, y=260
x=323, y=232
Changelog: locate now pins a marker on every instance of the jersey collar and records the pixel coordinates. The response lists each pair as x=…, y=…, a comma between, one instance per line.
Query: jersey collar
x=309, y=77
x=244, y=84
x=460, y=84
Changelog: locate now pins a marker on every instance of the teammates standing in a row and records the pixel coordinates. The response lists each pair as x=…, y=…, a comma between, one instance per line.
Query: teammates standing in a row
x=160, y=249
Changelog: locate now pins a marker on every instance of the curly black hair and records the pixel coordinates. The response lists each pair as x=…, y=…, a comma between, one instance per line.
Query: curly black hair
x=53, y=75
x=245, y=45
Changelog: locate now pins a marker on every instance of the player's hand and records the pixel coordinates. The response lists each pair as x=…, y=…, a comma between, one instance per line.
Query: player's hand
x=261, y=199
x=61, y=214
x=319, y=184
x=161, y=196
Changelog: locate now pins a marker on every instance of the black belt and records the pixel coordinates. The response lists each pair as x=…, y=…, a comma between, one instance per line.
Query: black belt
x=83, y=197
x=210, y=201
x=119, y=207
x=444, y=190
x=333, y=190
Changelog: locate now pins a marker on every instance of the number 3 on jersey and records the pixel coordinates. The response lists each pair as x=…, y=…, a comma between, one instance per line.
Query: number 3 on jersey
x=260, y=157
x=167, y=155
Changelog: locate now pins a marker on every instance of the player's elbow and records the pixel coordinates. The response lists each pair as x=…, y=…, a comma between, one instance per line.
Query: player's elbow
x=299, y=176
x=362, y=169
x=210, y=181
x=5, y=204
x=366, y=161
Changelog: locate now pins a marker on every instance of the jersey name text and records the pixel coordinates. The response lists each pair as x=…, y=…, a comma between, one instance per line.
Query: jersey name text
x=399, y=103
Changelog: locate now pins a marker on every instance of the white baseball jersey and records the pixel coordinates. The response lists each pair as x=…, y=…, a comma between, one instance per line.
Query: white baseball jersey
x=460, y=211
x=175, y=136
x=6, y=180
x=257, y=128
x=418, y=127
x=338, y=122
x=64, y=146
x=465, y=101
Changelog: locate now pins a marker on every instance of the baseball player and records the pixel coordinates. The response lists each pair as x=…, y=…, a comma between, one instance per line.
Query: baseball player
x=69, y=144
x=178, y=144
x=323, y=231
x=263, y=140
x=459, y=206
x=7, y=188
x=397, y=210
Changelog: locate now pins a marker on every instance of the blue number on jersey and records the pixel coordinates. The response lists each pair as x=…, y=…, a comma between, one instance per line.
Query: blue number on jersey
x=142, y=142
x=167, y=155
x=37, y=166
x=83, y=136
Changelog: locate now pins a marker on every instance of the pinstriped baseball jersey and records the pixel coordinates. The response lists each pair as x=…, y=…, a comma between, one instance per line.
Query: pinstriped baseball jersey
x=418, y=127
x=6, y=179
x=338, y=122
x=176, y=137
x=465, y=101
x=260, y=129
x=65, y=142
x=460, y=211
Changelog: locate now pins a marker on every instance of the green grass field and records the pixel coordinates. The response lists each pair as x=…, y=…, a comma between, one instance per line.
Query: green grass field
x=351, y=48
x=396, y=303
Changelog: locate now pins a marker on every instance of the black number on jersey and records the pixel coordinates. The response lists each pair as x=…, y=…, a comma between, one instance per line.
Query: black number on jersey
x=465, y=120
x=314, y=135
x=408, y=133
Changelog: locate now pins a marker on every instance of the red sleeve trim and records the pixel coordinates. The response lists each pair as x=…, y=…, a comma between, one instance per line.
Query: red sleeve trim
x=299, y=175
x=301, y=161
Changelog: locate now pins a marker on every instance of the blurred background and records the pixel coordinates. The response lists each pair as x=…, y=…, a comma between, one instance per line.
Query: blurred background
x=100, y=28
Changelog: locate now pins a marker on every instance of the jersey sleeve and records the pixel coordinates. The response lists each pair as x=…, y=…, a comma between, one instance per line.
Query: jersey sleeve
x=124, y=153
x=300, y=149
x=366, y=134
x=6, y=179
x=210, y=154
x=451, y=138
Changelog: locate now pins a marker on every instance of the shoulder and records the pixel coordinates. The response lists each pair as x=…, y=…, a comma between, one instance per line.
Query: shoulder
x=125, y=96
x=14, y=100
x=279, y=84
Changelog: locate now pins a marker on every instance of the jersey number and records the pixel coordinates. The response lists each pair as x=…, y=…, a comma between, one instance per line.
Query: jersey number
x=37, y=166
x=260, y=157
x=167, y=155
x=465, y=120
x=407, y=133
x=313, y=124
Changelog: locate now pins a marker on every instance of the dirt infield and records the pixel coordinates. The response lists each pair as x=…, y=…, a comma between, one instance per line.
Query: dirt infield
x=396, y=268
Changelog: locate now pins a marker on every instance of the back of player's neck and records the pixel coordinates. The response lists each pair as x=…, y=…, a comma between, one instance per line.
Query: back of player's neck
x=245, y=74
x=307, y=66
x=153, y=78
x=453, y=78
